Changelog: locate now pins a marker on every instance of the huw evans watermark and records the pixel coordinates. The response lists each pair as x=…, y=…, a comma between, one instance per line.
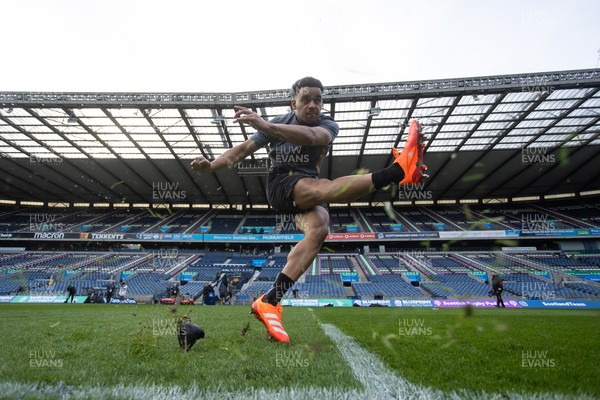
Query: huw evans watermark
x=45, y=222
x=538, y=18
x=291, y=359
x=414, y=191
x=45, y=160
x=537, y=290
x=165, y=258
x=290, y=154
x=164, y=327
x=536, y=85
x=537, y=222
x=167, y=191
x=413, y=327
x=537, y=156
x=536, y=359
x=408, y=257
x=290, y=223
x=44, y=359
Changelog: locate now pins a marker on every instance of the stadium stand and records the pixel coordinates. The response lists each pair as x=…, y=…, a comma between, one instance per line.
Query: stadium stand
x=524, y=216
x=533, y=274
x=388, y=285
x=318, y=286
x=463, y=285
x=528, y=273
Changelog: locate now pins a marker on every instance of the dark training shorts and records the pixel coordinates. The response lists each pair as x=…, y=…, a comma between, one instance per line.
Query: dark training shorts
x=280, y=192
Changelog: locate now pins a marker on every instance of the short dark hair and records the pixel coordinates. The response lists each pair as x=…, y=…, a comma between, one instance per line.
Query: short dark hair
x=307, y=81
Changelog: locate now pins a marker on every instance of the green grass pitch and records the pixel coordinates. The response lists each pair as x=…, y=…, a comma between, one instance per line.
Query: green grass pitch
x=497, y=351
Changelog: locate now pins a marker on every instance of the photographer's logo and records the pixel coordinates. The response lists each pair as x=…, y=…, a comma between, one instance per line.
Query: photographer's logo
x=45, y=160
x=413, y=327
x=164, y=327
x=537, y=19
x=167, y=191
x=290, y=155
x=537, y=290
x=535, y=85
x=290, y=359
x=165, y=258
x=536, y=359
x=44, y=359
x=414, y=191
x=285, y=223
x=537, y=222
x=43, y=222
x=412, y=257
x=537, y=156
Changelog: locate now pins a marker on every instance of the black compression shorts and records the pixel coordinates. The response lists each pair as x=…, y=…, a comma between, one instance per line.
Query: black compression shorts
x=280, y=192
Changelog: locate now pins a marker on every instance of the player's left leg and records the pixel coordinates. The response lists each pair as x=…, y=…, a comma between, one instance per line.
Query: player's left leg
x=315, y=226
x=267, y=308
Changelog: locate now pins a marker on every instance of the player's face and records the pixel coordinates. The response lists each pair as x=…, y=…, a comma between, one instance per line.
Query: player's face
x=308, y=103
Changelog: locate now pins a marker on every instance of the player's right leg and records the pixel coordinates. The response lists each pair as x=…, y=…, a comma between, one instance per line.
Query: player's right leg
x=407, y=168
x=411, y=158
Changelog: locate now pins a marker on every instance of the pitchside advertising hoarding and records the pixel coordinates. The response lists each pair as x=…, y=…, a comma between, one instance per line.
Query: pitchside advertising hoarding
x=317, y=302
x=57, y=299
x=305, y=302
x=478, y=303
x=442, y=303
x=126, y=300
x=580, y=304
x=46, y=299
x=277, y=238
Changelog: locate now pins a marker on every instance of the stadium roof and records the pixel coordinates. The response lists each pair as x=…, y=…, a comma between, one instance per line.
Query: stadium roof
x=496, y=137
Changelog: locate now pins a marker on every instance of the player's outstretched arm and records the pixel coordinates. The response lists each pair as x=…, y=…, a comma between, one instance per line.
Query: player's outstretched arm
x=295, y=134
x=227, y=160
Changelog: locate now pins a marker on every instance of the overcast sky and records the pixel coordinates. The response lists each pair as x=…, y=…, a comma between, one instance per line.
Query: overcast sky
x=231, y=45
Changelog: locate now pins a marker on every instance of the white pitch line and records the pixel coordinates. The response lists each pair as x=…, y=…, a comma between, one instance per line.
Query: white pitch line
x=377, y=379
x=382, y=383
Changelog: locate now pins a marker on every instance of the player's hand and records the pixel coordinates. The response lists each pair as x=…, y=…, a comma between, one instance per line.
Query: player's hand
x=246, y=116
x=201, y=165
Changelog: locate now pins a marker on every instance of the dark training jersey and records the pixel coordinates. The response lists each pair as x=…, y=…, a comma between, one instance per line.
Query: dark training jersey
x=285, y=157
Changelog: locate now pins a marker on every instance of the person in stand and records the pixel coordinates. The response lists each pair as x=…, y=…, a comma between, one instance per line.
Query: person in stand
x=175, y=292
x=208, y=295
x=230, y=294
x=123, y=290
x=497, y=289
x=110, y=291
x=71, y=291
x=298, y=142
x=223, y=291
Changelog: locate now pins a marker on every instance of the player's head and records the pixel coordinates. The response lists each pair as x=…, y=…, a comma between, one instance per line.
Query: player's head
x=308, y=82
x=307, y=99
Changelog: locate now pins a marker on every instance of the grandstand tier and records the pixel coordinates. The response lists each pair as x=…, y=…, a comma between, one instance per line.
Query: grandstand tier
x=401, y=275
